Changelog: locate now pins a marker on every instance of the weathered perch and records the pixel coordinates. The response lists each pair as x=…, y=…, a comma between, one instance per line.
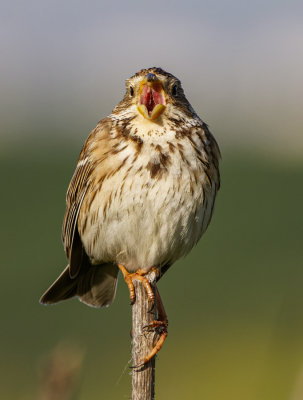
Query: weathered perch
x=143, y=378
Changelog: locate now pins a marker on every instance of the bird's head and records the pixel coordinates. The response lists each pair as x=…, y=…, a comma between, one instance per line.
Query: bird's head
x=153, y=93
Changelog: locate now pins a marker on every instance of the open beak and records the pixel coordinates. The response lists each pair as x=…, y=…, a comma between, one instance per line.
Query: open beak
x=151, y=102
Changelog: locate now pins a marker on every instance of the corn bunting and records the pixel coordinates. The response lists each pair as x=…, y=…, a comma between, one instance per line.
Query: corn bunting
x=142, y=194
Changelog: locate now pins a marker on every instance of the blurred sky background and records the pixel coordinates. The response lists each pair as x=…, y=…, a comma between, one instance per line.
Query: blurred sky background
x=64, y=64
x=235, y=303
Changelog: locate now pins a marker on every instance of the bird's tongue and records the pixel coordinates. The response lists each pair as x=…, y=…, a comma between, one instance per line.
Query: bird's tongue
x=151, y=96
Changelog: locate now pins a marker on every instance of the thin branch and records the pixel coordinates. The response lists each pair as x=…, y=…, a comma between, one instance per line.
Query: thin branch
x=143, y=379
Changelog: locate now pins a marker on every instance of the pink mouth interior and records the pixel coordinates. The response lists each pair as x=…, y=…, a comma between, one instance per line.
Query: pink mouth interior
x=151, y=96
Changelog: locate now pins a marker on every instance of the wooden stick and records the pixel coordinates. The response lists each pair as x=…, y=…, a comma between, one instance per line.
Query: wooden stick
x=143, y=379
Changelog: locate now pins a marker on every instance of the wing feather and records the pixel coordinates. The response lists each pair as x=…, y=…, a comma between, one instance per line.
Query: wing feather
x=75, y=194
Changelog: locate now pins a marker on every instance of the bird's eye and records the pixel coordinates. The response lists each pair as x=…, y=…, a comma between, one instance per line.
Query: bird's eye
x=175, y=90
x=131, y=91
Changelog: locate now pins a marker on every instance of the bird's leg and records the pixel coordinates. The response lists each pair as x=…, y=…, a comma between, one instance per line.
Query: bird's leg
x=162, y=323
x=139, y=275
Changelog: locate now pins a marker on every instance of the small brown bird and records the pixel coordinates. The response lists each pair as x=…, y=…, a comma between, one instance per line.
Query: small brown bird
x=142, y=194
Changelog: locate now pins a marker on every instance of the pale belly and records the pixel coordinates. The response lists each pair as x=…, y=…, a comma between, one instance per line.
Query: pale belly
x=143, y=225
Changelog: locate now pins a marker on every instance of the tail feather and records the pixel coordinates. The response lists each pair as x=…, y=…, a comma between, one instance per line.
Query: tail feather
x=95, y=286
x=98, y=286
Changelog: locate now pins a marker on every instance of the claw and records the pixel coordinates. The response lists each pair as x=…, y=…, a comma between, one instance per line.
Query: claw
x=161, y=322
x=154, y=351
x=139, y=276
x=151, y=309
x=156, y=324
x=141, y=365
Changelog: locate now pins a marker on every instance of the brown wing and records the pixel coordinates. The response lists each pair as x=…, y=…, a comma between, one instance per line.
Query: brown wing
x=92, y=151
x=211, y=170
x=214, y=154
x=75, y=194
x=77, y=189
x=74, y=197
x=95, y=285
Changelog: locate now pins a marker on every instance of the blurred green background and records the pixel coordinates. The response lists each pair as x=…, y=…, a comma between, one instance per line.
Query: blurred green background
x=235, y=303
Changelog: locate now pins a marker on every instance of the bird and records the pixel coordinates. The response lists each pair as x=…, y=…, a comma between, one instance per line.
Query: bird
x=141, y=196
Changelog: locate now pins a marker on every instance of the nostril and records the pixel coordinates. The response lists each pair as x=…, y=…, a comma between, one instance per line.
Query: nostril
x=150, y=77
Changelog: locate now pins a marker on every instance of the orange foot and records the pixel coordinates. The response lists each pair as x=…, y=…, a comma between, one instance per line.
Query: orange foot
x=139, y=276
x=162, y=324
